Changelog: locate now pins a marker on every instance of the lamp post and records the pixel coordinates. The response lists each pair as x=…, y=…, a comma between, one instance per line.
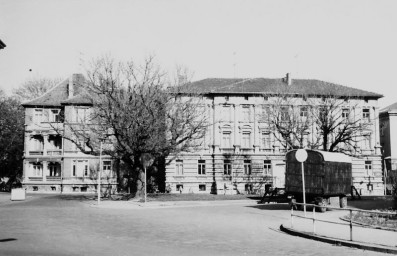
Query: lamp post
x=301, y=156
x=99, y=173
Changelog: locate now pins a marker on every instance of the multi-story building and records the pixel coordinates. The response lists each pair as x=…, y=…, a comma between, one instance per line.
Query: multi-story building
x=240, y=153
x=388, y=141
x=51, y=162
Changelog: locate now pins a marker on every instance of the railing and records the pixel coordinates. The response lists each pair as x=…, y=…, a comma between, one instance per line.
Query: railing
x=53, y=178
x=36, y=178
x=36, y=153
x=54, y=152
x=350, y=221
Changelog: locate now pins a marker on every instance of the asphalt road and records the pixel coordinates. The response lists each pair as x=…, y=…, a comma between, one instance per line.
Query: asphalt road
x=49, y=225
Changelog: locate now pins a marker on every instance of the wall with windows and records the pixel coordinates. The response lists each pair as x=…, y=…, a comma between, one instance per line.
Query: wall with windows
x=243, y=155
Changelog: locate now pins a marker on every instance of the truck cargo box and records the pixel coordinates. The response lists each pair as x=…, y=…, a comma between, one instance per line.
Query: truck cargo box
x=327, y=174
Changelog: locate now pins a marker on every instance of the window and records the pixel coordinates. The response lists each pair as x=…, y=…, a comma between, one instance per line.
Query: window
x=226, y=139
x=284, y=114
x=226, y=98
x=201, y=167
x=303, y=111
x=248, y=188
x=80, y=168
x=247, y=167
x=179, y=167
x=226, y=114
x=246, y=112
x=265, y=140
x=37, y=143
x=179, y=187
x=368, y=168
x=345, y=113
x=267, y=167
x=366, y=116
x=55, y=169
x=55, y=115
x=37, y=169
x=246, y=140
x=367, y=141
x=264, y=116
x=246, y=98
x=202, y=187
x=107, y=165
x=38, y=115
x=227, y=167
x=81, y=115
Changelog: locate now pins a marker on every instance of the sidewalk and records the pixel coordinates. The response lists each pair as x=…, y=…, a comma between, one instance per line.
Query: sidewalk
x=363, y=238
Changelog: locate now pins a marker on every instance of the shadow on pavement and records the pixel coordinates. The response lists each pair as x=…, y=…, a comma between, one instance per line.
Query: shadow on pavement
x=271, y=207
x=7, y=240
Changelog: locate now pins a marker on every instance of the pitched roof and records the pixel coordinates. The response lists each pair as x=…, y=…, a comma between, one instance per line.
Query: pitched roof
x=273, y=86
x=59, y=94
x=389, y=108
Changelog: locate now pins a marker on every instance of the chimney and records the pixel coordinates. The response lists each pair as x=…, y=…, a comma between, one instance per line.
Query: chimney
x=71, y=86
x=288, y=78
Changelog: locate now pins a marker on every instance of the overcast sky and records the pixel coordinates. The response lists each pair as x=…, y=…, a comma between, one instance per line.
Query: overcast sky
x=353, y=43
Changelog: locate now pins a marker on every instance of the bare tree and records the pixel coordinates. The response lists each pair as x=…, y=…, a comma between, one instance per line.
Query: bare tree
x=140, y=113
x=329, y=121
x=34, y=88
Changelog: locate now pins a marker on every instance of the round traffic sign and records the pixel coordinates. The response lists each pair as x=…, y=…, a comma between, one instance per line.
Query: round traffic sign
x=301, y=155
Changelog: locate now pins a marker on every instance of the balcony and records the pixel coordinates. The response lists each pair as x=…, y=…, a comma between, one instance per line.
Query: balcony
x=247, y=150
x=227, y=150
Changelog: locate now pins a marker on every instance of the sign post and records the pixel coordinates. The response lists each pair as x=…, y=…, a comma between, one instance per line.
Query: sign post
x=301, y=156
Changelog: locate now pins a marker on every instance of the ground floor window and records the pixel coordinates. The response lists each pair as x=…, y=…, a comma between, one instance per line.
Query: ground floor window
x=80, y=168
x=267, y=167
x=227, y=167
x=247, y=167
x=368, y=168
x=202, y=187
x=36, y=169
x=248, y=188
x=179, y=167
x=201, y=167
x=54, y=169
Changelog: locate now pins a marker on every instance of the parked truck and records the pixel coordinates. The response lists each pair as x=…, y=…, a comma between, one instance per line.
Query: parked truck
x=328, y=178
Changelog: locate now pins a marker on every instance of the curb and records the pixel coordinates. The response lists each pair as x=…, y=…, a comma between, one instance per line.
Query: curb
x=335, y=241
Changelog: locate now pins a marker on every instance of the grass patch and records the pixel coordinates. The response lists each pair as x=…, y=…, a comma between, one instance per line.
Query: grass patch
x=382, y=218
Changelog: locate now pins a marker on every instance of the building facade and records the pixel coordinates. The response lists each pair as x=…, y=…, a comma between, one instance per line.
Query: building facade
x=51, y=162
x=388, y=141
x=240, y=152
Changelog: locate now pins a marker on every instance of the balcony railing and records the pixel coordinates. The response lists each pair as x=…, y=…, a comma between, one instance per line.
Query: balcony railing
x=53, y=178
x=54, y=152
x=36, y=152
x=36, y=178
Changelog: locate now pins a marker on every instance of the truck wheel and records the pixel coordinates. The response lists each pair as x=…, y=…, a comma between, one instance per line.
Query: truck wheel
x=323, y=203
x=343, y=201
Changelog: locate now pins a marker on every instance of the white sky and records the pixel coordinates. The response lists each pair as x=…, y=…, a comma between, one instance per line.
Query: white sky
x=353, y=43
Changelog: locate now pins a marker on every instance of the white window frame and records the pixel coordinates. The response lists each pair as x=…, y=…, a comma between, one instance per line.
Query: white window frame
x=36, y=169
x=226, y=139
x=247, y=167
x=267, y=167
x=38, y=115
x=246, y=139
x=368, y=168
x=55, y=117
x=227, y=167
x=77, y=164
x=179, y=167
x=246, y=113
x=201, y=167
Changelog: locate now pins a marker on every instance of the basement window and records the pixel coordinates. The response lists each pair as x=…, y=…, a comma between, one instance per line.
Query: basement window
x=53, y=188
x=35, y=188
x=202, y=187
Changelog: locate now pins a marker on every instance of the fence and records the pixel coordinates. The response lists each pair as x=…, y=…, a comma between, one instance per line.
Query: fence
x=376, y=216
